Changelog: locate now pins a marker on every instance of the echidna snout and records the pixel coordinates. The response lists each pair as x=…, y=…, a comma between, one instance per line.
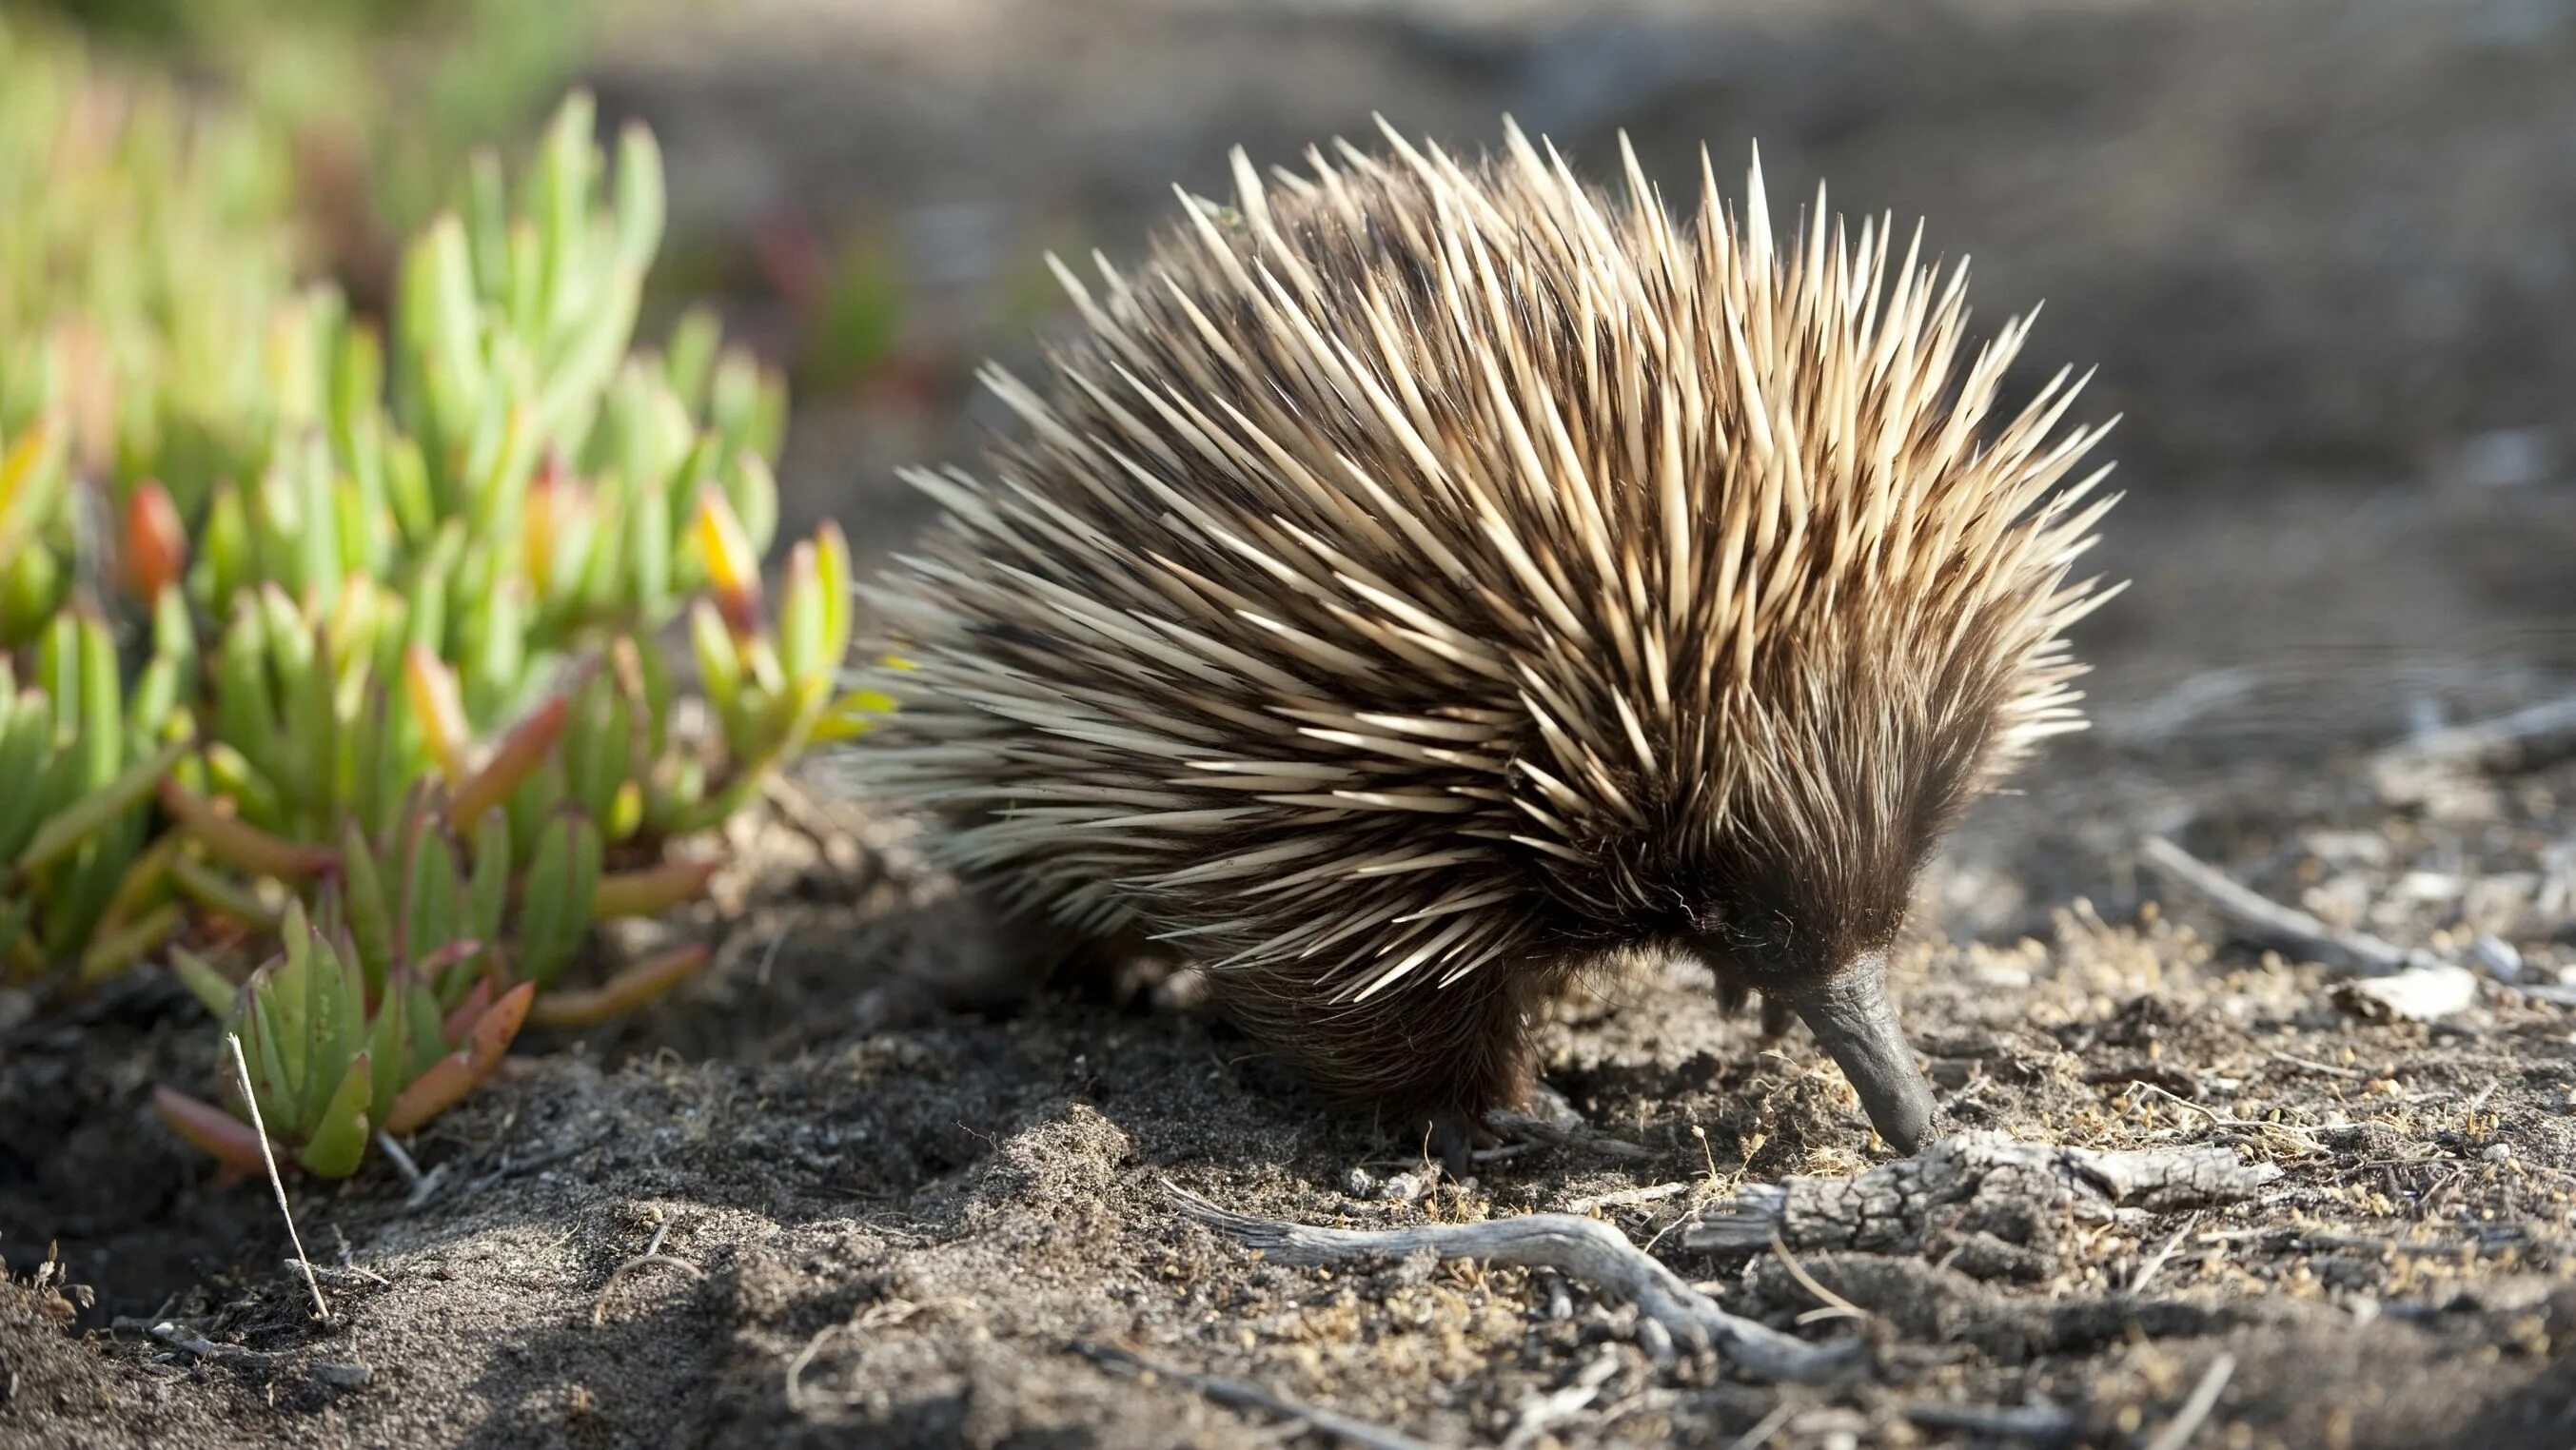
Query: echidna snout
x=1420, y=580
x=1849, y=1011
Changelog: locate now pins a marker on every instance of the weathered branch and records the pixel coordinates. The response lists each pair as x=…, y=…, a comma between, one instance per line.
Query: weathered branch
x=1970, y=1184
x=2261, y=919
x=2412, y=771
x=1579, y=1248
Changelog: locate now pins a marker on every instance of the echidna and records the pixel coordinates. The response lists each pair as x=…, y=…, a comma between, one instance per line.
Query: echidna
x=1425, y=580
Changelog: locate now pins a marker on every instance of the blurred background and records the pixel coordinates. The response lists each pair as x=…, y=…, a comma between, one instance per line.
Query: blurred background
x=2323, y=253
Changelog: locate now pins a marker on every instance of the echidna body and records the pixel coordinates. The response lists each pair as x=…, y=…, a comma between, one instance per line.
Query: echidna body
x=1423, y=580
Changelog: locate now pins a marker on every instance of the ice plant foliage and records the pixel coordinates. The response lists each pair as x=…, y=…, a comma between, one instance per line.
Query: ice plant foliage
x=144, y=247
x=338, y=1051
x=355, y=652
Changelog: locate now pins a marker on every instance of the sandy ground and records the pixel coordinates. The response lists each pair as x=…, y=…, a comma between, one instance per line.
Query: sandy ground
x=2321, y=253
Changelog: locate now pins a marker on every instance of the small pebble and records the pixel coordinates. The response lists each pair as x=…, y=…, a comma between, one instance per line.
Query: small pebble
x=2496, y=957
x=1655, y=1340
x=2500, y=1153
x=1404, y=1187
x=2510, y=457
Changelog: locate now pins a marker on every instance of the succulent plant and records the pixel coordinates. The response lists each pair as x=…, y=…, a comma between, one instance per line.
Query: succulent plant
x=144, y=236
x=371, y=654
x=77, y=773
x=337, y=1052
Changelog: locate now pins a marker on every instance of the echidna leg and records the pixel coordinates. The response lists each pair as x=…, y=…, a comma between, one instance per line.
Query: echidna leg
x=1467, y=1051
x=1777, y=1018
x=1426, y=1059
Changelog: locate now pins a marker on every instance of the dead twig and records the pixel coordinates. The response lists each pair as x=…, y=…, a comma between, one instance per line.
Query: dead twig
x=427, y=1189
x=401, y=1160
x=2045, y=1423
x=2312, y=1065
x=1542, y=1413
x=179, y=1336
x=547, y=1159
x=277, y=1184
x=2262, y=919
x=1629, y=1197
x=1835, y=1306
x=431, y=1181
x=182, y=1338
x=1764, y=1428
x=1584, y=1139
x=2304, y=1139
x=2204, y=1398
x=1242, y=1395
x=1579, y=1248
x=652, y=1255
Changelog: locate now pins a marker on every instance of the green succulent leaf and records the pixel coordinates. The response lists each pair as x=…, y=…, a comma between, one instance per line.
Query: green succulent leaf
x=337, y=1137
x=93, y=812
x=556, y=909
x=370, y=913
x=208, y=986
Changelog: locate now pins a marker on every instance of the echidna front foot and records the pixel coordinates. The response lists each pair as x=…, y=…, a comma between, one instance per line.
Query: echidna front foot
x=1509, y=1084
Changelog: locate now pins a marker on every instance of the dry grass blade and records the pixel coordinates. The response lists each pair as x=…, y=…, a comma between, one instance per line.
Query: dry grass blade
x=2196, y=1410
x=1835, y=1306
x=2147, y=1272
x=276, y=1184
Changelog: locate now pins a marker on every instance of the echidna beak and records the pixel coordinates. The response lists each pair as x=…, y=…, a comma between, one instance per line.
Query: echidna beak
x=1852, y=1017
